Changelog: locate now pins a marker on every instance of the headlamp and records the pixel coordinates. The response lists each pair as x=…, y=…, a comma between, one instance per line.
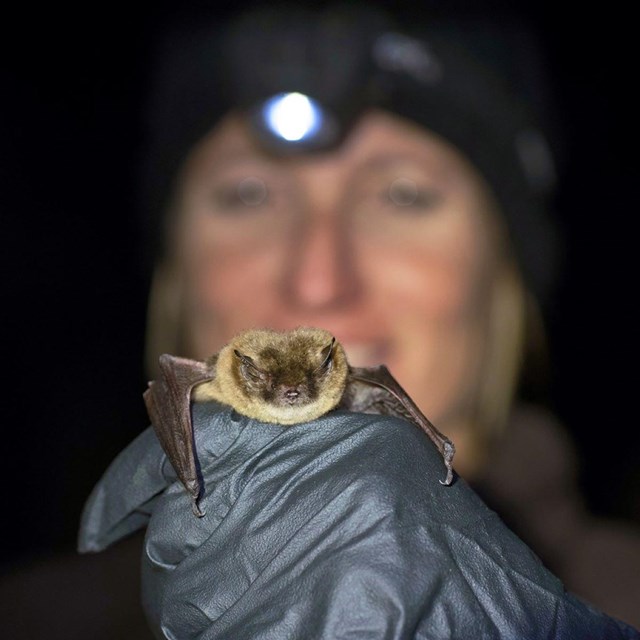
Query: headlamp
x=290, y=122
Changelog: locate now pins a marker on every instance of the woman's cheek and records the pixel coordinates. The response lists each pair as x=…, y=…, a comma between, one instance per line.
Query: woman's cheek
x=233, y=284
x=430, y=286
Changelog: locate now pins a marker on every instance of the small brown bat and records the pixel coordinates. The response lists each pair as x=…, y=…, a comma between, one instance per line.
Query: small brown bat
x=281, y=377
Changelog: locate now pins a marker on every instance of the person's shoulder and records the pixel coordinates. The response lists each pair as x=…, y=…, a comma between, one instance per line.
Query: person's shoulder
x=536, y=425
x=534, y=454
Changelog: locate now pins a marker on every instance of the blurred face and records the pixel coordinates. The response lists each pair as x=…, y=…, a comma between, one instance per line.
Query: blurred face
x=384, y=242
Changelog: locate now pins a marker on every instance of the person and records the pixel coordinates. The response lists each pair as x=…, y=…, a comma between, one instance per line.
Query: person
x=336, y=171
x=449, y=303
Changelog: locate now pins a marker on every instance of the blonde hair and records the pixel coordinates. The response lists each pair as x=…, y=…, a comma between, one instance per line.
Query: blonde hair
x=165, y=316
x=502, y=359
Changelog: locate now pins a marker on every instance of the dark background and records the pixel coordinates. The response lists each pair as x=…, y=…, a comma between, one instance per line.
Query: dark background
x=74, y=292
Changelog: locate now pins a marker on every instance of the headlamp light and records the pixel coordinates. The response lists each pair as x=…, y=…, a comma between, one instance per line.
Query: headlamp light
x=290, y=122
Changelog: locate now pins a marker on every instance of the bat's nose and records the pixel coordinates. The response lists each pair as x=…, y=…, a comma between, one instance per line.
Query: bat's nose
x=291, y=393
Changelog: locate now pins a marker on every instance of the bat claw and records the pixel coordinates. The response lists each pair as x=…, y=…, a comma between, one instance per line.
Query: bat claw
x=195, y=507
x=448, y=452
x=449, y=479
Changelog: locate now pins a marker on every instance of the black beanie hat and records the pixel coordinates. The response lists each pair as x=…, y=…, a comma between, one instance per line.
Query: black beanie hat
x=353, y=58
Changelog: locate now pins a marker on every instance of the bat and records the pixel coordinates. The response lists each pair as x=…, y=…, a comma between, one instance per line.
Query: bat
x=280, y=377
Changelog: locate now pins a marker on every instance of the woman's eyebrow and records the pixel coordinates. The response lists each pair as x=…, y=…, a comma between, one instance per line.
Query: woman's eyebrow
x=387, y=159
x=392, y=160
x=239, y=156
x=228, y=155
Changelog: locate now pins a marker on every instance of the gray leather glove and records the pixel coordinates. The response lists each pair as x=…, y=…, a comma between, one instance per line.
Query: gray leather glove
x=337, y=528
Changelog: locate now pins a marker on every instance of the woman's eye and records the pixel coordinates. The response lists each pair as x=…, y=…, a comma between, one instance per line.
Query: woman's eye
x=404, y=192
x=247, y=193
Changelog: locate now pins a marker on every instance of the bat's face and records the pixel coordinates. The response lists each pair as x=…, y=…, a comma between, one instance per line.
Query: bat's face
x=286, y=376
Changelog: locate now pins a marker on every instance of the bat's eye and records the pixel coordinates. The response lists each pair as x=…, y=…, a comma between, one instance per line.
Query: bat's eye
x=327, y=356
x=248, y=368
x=252, y=373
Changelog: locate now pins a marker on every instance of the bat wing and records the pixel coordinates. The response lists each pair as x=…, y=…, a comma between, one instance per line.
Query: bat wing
x=168, y=402
x=375, y=390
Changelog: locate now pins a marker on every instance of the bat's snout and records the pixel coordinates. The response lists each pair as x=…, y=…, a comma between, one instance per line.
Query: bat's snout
x=292, y=395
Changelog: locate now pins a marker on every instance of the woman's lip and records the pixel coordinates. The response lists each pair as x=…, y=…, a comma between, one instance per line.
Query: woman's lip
x=366, y=354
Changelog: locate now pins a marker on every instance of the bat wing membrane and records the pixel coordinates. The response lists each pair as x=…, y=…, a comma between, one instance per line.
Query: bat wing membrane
x=375, y=390
x=168, y=402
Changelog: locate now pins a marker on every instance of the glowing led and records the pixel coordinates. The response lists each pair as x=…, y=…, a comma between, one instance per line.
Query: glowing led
x=292, y=116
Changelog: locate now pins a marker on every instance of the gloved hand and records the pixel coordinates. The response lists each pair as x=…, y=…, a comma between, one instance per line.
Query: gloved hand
x=330, y=529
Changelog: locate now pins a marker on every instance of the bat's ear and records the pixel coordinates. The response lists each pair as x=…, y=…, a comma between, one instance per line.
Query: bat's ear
x=248, y=367
x=327, y=354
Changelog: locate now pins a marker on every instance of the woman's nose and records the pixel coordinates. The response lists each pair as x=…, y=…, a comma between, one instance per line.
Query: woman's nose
x=320, y=273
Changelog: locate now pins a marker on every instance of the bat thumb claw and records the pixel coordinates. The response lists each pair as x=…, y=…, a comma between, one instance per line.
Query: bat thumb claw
x=197, y=511
x=448, y=452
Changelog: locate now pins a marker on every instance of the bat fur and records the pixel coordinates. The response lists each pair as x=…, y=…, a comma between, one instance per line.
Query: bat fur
x=285, y=378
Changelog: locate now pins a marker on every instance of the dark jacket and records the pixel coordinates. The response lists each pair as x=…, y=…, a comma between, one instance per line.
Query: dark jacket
x=532, y=482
